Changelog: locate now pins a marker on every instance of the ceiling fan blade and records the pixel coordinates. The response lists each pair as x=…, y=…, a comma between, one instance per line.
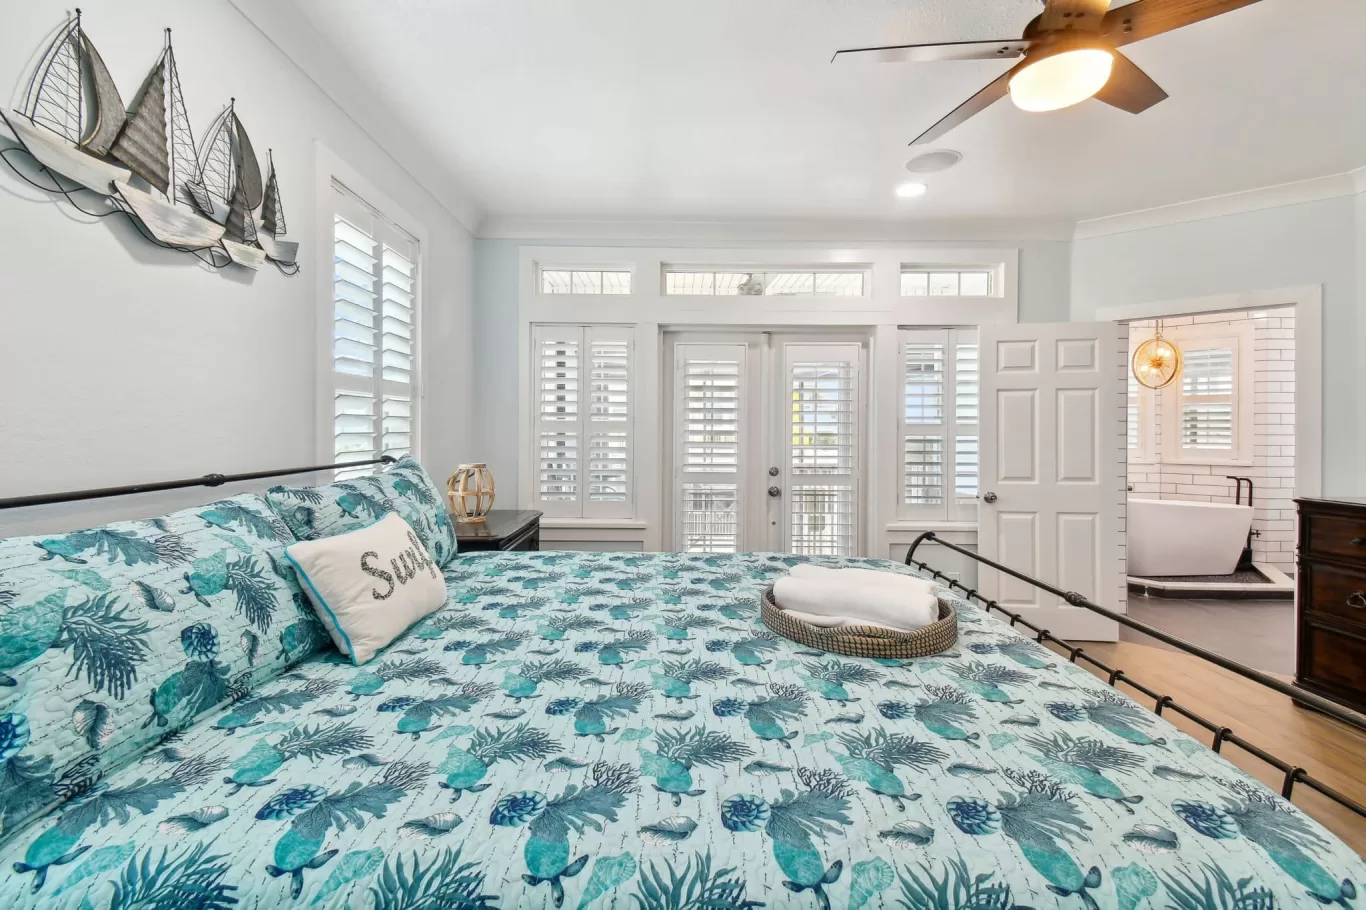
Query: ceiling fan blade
x=974, y=105
x=1060, y=15
x=1145, y=18
x=931, y=53
x=1130, y=89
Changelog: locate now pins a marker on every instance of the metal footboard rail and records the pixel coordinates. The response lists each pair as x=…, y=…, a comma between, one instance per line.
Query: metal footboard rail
x=208, y=480
x=1293, y=774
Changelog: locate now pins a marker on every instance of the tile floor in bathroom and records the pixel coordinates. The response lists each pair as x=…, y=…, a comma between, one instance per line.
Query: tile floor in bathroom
x=1259, y=633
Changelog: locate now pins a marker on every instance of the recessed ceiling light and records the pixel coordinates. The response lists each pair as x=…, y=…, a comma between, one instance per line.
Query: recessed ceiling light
x=911, y=190
x=934, y=162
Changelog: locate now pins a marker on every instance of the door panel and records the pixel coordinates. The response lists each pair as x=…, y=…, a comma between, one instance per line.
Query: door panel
x=1050, y=477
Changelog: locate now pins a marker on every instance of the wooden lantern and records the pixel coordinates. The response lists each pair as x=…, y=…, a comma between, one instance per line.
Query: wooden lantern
x=471, y=491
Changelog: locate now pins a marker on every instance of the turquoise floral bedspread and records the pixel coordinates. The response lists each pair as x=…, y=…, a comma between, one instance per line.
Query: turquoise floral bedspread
x=620, y=731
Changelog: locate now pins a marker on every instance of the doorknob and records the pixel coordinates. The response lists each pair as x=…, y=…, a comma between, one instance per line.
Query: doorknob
x=988, y=497
x=773, y=471
x=774, y=491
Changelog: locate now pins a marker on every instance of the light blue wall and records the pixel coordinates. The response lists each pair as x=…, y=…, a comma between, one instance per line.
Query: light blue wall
x=1043, y=287
x=1321, y=242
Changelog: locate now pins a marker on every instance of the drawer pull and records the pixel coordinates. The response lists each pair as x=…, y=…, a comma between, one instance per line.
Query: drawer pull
x=1358, y=541
x=1357, y=599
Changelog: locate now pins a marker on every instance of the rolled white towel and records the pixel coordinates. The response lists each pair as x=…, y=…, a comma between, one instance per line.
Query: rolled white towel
x=838, y=622
x=893, y=607
x=862, y=577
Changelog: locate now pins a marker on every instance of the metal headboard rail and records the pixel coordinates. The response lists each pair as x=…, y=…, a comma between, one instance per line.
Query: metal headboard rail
x=1293, y=774
x=208, y=480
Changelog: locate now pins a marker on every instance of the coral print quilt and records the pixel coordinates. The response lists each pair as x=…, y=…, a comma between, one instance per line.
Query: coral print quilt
x=600, y=731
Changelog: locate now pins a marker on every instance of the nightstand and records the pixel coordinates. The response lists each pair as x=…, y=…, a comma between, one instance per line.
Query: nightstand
x=501, y=529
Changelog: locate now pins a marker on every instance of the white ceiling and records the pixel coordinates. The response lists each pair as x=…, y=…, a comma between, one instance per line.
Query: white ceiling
x=730, y=109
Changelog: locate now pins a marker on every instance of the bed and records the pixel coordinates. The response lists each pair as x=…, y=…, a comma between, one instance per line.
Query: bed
x=619, y=730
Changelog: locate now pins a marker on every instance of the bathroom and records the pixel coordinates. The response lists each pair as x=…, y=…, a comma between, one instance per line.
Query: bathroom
x=1210, y=521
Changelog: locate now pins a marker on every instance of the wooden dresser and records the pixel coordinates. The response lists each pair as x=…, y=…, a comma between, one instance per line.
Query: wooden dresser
x=1330, y=600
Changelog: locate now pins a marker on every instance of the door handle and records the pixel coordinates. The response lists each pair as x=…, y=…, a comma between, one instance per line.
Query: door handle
x=774, y=491
x=988, y=497
x=1357, y=600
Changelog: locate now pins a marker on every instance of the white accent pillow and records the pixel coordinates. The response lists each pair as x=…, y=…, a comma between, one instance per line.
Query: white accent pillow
x=368, y=586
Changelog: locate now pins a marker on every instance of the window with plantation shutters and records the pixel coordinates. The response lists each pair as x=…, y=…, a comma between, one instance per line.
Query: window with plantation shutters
x=823, y=451
x=1207, y=411
x=709, y=414
x=939, y=424
x=375, y=377
x=583, y=421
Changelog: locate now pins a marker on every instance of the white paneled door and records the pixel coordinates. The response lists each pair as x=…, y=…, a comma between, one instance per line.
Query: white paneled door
x=1050, y=470
x=767, y=443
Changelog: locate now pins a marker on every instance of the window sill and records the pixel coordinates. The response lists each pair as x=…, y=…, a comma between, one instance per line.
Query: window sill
x=918, y=525
x=604, y=524
x=1214, y=462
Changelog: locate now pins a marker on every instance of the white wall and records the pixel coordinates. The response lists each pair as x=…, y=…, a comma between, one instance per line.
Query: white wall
x=1310, y=243
x=123, y=362
x=1044, y=274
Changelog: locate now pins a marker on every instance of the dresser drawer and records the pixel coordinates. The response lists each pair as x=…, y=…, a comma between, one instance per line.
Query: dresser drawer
x=1343, y=536
x=1334, y=592
x=1333, y=659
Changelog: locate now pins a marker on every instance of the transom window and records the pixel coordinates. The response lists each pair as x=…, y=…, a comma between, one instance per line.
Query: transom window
x=764, y=284
x=580, y=281
x=933, y=282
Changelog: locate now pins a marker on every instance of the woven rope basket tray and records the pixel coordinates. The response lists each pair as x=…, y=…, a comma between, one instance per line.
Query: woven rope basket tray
x=865, y=641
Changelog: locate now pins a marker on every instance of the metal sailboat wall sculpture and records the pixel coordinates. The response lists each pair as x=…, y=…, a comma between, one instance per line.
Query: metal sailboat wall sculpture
x=229, y=187
x=157, y=143
x=72, y=122
x=65, y=128
x=272, y=226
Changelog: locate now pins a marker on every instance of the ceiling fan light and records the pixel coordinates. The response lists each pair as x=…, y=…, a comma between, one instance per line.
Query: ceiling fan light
x=1061, y=80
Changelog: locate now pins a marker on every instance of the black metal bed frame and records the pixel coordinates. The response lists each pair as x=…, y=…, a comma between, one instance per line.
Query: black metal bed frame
x=1293, y=774
x=208, y=480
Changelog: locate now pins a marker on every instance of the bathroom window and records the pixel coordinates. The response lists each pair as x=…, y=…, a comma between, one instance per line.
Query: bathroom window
x=1141, y=422
x=1207, y=411
x=939, y=424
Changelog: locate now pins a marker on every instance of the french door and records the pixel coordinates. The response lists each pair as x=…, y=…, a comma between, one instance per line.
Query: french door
x=766, y=442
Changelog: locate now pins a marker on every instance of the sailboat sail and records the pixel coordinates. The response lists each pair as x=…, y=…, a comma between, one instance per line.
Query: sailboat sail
x=241, y=227
x=109, y=116
x=142, y=144
x=55, y=94
x=272, y=211
x=248, y=168
x=184, y=156
x=217, y=180
x=66, y=128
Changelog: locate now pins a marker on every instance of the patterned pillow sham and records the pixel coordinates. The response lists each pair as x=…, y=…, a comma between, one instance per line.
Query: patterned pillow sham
x=114, y=636
x=349, y=505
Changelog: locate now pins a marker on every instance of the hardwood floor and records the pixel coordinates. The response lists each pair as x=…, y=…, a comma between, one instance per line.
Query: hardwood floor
x=1331, y=751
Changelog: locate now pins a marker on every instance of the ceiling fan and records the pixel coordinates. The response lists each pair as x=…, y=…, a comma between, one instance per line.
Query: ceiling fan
x=1070, y=54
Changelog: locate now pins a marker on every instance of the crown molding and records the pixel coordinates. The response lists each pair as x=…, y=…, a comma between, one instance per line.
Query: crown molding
x=720, y=231
x=1301, y=191
x=281, y=24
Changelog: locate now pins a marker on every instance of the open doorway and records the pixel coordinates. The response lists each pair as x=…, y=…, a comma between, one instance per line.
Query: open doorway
x=1210, y=516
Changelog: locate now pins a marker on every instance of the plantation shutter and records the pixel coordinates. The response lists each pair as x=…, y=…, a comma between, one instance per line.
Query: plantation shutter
x=939, y=424
x=583, y=432
x=1207, y=399
x=375, y=401
x=822, y=469
x=709, y=414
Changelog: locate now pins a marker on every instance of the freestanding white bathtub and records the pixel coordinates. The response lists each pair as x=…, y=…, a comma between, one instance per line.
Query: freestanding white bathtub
x=1171, y=537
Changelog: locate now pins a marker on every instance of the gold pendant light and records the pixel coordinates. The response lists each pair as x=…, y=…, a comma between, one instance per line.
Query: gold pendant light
x=1157, y=362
